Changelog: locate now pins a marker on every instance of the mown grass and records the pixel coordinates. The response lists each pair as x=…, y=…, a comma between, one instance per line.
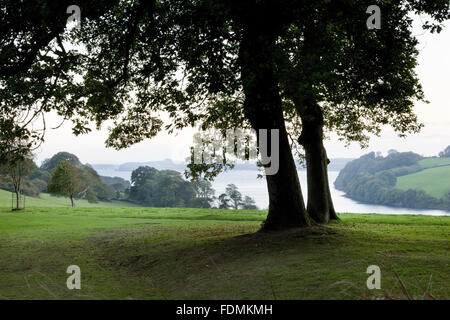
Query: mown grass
x=148, y=253
x=46, y=200
x=434, y=181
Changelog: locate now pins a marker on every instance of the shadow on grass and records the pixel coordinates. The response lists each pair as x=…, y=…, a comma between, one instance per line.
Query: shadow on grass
x=237, y=262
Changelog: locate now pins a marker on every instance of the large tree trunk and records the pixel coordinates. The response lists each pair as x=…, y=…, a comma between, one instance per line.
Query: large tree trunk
x=320, y=205
x=263, y=109
x=72, y=200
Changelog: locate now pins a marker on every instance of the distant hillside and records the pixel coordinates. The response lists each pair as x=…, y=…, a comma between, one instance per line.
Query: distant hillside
x=114, y=180
x=101, y=166
x=96, y=187
x=336, y=164
x=434, y=179
x=166, y=164
x=399, y=179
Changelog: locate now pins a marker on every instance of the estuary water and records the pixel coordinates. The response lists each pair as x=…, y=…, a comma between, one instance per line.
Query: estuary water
x=248, y=184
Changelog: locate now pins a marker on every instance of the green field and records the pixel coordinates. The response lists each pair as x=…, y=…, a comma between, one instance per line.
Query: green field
x=149, y=253
x=434, y=180
x=46, y=200
x=434, y=162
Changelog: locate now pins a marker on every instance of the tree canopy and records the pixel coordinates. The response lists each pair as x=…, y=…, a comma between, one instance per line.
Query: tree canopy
x=66, y=181
x=51, y=163
x=445, y=153
x=294, y=66
x=165, y=188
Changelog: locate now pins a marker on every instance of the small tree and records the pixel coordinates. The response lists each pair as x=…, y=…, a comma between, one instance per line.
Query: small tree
x=445, y=153
x=224, y=201
x=16, y=169
x=204, y=194
x=249, y=203
x=234, y=194
x=65, y=181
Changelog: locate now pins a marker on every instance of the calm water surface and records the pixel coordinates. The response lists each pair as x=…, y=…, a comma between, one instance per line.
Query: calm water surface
x=248, y=184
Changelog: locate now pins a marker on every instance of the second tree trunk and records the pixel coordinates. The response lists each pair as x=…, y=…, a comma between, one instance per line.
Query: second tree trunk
x=320, y=204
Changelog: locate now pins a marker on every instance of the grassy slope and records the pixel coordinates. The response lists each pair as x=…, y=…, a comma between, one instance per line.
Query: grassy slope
x=148, y=253
x=434, y=180
x=434, y=162
x=46, y=200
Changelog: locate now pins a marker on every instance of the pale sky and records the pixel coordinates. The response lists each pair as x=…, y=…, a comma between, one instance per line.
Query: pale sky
x=433, y=71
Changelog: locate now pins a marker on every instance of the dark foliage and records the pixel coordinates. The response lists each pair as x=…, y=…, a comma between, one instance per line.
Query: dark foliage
x=445, y=153
x=165, y=188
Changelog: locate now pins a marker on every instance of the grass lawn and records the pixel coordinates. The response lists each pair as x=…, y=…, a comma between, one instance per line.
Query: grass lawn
x=434, y=181
x=149, y=253
x=46, y=200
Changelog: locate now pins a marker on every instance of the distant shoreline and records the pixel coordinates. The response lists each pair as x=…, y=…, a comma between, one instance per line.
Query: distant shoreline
x=336, y=164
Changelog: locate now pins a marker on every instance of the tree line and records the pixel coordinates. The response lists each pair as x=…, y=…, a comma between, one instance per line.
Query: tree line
x=167, y=188
x=64, y=175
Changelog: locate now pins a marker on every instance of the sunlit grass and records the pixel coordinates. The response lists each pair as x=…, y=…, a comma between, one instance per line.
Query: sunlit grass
x=46, y=200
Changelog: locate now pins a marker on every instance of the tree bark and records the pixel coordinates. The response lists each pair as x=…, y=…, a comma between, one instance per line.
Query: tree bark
x=263, y=109
x=17, y=199
x=333, y=215
x=320, y=204
x=72, y=200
